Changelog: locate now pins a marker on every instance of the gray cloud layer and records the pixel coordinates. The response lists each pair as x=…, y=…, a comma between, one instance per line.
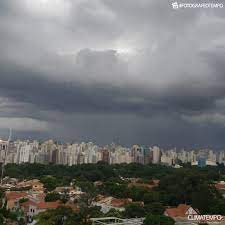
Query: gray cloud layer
x=105, y=70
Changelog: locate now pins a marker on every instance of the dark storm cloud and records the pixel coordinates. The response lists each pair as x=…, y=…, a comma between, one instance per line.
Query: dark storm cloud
x=105, y=70
x=26, y=86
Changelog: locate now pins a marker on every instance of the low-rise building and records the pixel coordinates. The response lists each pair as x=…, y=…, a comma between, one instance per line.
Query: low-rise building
x=32, y=208
x=181, y=211
x=220, y=186
x=107, y=203
x=12, y=198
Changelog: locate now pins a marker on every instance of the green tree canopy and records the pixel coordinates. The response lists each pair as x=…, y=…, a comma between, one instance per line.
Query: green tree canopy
x=134, y=210
x=52, y=197
x=158, y=220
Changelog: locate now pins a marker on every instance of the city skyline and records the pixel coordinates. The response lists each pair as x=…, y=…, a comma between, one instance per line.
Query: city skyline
x=50, y=151
x=131, y=72
x=113, y=142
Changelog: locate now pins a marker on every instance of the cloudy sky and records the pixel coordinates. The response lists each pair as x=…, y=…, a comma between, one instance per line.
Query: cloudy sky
x=104, y=70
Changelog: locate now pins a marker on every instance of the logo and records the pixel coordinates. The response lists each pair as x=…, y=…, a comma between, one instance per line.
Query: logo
x=175, y=5
x=205, y=217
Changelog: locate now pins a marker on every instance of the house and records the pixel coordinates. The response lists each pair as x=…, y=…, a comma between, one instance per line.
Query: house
x=138, y=183
x=37, y=197
x=63, y=190
x=9, y=180
x=220, y=186
x=75, y=192
x=181, y=211
x=25, y=207
x=32, y=208
x=34, y=185
x=107, y=203
x=13, y=197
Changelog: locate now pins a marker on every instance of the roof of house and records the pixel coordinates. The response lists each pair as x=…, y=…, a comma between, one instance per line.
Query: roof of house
x=153, y=183
x=144, y=185
x=180, y=211
x=40, y=195
x=115, y=202
x=120, y=202
x=35, y=183
x=48, y=205
x=15, y=195
x=220, y=186
x=28, y=203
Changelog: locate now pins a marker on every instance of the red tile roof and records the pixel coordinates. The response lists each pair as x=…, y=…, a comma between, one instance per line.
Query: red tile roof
x=220, y=186
x=116, y=202
x=15, y=195
x=147, y=186
x=180, y=211
x=120, y=202
x=27, y=203
x=48, y=205
x=153, y=183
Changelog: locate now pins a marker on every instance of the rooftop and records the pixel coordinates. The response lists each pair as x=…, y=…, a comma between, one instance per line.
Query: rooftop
x=48, y=205
x=180, y=211
x=15, y=195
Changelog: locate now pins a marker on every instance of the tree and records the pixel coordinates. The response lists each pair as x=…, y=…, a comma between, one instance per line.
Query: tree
x=150, y=196
x=158, y=220
x=22, y=200
x=203, y=199
x=134, y=210
x=50, y=183
x=90, y=193
x=114, y=213
x=1, y=219
x=190, y=186
x=52, y=197
x=115, y=189
x=21, y=221
x=137, y=193
x=58, y=217
x=155, y=208
x=87, y=212
x=218, y=207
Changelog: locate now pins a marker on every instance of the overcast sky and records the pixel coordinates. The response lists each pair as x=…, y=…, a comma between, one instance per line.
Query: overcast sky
x=129, y=71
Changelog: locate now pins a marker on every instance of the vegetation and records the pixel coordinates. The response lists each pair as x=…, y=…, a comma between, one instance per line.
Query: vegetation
x=158, y=220
x=190, y=185
x=52, y=197
x=103, y=171
x=61, y=215
x=6, y=214
x=22, y=200
x=134, y=210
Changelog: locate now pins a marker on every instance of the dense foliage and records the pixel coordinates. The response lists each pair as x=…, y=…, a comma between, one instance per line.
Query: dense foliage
x=61, y=215
x=103, y=171
x=13, y=216
x=190, y=185
x=158, y=220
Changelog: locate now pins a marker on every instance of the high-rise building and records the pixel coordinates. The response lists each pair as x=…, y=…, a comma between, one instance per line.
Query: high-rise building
x=156, y=155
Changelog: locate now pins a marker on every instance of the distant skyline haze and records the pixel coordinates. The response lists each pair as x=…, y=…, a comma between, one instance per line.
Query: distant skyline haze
x=113, y=71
